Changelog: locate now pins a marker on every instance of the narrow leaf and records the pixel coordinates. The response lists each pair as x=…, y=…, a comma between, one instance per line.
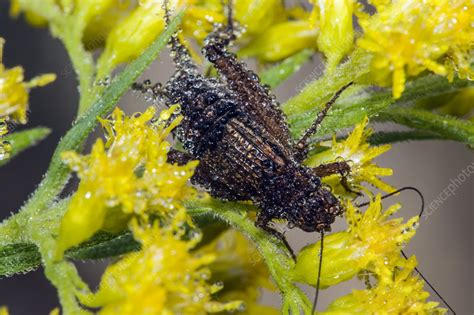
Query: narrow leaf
x=104, y=245
x=282, y=71
x=384, y=137
x=445, y=127
x=22, y=140
x=18, y=258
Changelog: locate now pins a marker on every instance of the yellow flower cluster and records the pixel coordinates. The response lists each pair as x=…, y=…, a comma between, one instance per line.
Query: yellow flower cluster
x=336, y=36
x=372, y=242
x=14, y=90
x=164, y=277
x=14, y=98
x=242, y=270
x=128, y=175
x=400, y=293
x=3, y=310
x=407, y=37
x=116, y=24
x=358, y=152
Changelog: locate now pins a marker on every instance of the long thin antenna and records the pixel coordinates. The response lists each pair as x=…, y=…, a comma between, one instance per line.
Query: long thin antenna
x=302, y=144
x=315, y=301
x=431, y=286
x=403, y=253
x=398, y=191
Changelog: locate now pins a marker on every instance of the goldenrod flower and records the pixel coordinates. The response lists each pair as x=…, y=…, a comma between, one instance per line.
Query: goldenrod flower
x=358, y=152
x=282, y=40
x=164, y=277
x=128, y=39
x=408, y=37
x=336, y=34
x=30, y=16
x=241, y=269
x=129, y=175
x=14, y=91
x=371, y=242
x=401, y=293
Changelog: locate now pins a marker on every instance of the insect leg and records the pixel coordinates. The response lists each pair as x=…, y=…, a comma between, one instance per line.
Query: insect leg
x=301, y=148
x=263, y=221
x=181, y=56
x=255, y=99
x=341, y=168
x=179, y=157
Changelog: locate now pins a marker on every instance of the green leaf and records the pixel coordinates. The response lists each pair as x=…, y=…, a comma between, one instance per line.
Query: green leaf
x=282, y=71
x=104, y=245
x=445, y=127
x=316, y=94
x=384, y=137
x=18, y=258
x=58, y=173
x=22, y=140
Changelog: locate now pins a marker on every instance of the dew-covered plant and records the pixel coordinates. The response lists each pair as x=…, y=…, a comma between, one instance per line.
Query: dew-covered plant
x=176, y=249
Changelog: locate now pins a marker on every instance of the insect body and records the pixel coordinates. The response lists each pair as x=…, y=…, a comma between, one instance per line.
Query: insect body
x=234, y=127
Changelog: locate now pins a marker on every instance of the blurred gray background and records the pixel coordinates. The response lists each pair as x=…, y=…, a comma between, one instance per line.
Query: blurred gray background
x=443, y=244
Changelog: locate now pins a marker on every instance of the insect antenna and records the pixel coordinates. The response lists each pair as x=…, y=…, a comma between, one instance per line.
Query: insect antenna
x=315, y=301
x=422, y=198
x=302, y=145
x=431, y=286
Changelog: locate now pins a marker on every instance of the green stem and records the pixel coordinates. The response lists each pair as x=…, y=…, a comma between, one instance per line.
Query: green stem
x=70, y=32
x=315, y=94
x=273, y=251
x=62, y=274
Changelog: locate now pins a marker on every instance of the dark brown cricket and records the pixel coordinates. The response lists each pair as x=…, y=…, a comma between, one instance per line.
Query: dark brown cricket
x=234, y=127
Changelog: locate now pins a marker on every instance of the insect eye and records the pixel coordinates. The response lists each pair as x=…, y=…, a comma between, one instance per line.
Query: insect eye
x=210, y=98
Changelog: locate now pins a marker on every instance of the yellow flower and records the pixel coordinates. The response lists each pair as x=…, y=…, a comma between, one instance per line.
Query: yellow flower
x=372, y=242
x=408, y=37
x=336, y=35
x=30, y=16
x=129, y=175
x=128, y=39
x=358, y=152
x=242, y=270
x=282, y=40
x=401, y=293
x=14, y=91
x=257, y=15
x=164, y=277
x=3, y=310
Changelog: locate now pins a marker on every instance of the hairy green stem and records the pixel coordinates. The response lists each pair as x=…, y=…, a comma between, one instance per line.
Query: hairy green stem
x=273, y=251
x=315, y=94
